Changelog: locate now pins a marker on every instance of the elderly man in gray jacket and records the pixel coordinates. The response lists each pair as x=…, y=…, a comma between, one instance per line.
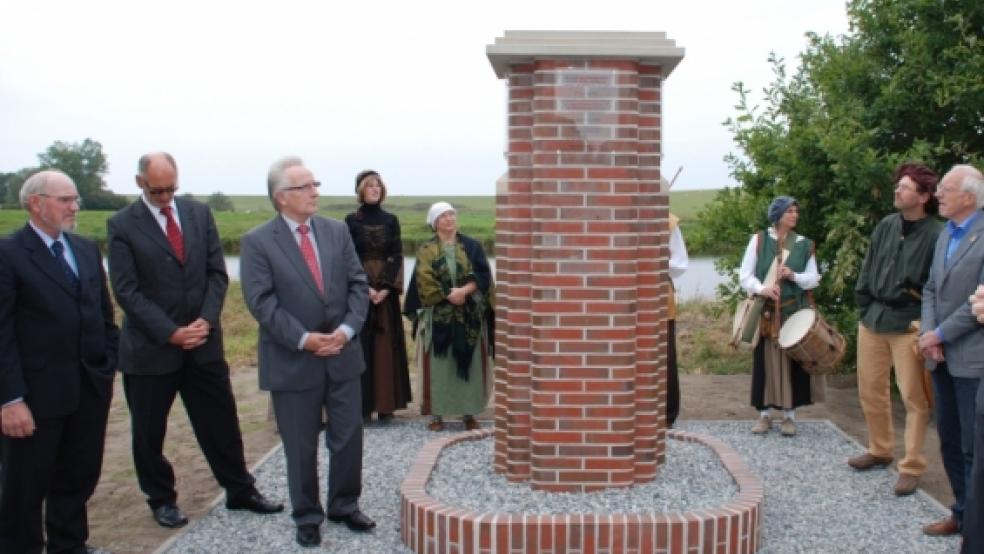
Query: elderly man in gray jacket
x=952, y=341
x=304, y=284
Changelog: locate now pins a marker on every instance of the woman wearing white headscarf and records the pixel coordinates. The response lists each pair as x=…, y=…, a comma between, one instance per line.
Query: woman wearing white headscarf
x=449, y=302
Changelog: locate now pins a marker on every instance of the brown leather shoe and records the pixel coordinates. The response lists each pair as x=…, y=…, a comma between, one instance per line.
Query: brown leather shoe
x=436, y=425
x=471, y=423
x=906, y=485
x=868, y=461
x=942, y=528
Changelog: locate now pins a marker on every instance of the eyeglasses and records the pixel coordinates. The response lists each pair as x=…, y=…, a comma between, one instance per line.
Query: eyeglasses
x=69, y=199
x=947, y=190
x=904, y=187
x=305, y=187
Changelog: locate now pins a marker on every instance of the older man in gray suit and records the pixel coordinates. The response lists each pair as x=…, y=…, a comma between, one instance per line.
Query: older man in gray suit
x=304, y=284
x=952, y=341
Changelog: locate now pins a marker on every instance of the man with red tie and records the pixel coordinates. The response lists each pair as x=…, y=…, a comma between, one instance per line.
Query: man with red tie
x=168, y=274
x=304, y=284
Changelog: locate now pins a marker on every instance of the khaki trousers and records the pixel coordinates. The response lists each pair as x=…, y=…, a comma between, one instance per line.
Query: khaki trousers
x=877, y=354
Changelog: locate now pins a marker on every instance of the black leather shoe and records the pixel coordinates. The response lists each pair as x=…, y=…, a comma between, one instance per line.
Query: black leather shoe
x=356, y=521
x=308, y=536
x=254, y=502
x=168, y=515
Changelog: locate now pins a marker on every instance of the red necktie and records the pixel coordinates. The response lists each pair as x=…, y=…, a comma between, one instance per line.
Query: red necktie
x=307, y=252
x=174, y=234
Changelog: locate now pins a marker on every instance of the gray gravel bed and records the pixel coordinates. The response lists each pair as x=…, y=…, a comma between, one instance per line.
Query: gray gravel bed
x=814, y=502
x=686, y=462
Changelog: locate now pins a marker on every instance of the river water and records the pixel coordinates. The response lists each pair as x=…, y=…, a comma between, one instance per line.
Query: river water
x=700, y=280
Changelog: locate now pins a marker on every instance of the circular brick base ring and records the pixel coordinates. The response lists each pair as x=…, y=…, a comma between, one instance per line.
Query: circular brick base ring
x=429, y=526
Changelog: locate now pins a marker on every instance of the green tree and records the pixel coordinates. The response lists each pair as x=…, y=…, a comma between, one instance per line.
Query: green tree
x=220, y=202
x=12, y=185
x=86, y=164
x=904, y=84
x=4, y=177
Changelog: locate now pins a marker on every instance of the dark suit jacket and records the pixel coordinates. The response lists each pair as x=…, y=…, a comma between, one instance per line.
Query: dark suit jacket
x=48, y=331
x=157, y=293
x=284, y=299
x=945, y=304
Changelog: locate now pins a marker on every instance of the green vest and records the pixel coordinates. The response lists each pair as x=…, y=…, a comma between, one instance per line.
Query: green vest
x=800, y=249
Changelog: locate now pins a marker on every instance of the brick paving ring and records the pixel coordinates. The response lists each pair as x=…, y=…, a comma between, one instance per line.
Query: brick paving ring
x=432, y=527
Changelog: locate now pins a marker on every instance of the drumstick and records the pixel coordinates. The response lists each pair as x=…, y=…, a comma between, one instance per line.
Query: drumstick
x=673, y=180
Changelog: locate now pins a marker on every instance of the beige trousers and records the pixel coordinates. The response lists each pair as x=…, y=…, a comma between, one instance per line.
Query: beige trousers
x=877, y=354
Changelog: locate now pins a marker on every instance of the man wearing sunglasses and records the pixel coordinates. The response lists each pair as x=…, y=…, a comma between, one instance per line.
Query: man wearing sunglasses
x=169, y=277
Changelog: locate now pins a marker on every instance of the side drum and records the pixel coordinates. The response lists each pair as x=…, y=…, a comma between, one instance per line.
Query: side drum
x=811, y=341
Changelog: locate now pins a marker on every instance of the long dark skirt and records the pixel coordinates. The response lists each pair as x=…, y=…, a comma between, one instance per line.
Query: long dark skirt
x=672, y=375
x=778, y=381
x=386, y=381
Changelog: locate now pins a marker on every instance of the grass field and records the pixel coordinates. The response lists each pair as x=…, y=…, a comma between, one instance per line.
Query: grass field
x=686, y=203
x=476, y=216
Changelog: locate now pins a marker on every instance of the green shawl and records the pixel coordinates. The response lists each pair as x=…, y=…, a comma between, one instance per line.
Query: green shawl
x=456, y=327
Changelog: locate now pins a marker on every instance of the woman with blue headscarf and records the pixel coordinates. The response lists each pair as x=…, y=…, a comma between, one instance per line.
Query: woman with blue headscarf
x=780, y=266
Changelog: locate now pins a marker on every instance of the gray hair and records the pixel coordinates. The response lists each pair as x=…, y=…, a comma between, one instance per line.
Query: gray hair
x=144, y=163
x=277, y=176
x=971, y=180
x=38, y=184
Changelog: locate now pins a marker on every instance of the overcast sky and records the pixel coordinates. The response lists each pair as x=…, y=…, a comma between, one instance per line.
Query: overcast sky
x=401, y=87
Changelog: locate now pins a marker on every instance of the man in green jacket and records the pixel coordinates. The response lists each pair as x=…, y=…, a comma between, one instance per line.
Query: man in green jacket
x=889, y=292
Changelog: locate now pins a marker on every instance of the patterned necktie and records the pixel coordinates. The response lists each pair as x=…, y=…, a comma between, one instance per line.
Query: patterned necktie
x=58, y=249
x=174, y=234
x=307, y=252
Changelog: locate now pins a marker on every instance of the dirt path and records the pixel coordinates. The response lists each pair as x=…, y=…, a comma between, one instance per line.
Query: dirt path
x=727, y=397
x=120, y=521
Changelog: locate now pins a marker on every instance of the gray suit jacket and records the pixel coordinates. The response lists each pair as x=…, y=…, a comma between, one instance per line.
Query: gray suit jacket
x=945, y=304
x=157, y=293
x=284, y=299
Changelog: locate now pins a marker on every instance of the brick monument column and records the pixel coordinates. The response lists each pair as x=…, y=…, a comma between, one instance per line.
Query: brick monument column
x=581, y=256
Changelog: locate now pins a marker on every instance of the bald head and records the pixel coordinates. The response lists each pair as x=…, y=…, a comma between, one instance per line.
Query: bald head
x=39, y=184
x=158, y=177
x=155, y=159
x=51, y=200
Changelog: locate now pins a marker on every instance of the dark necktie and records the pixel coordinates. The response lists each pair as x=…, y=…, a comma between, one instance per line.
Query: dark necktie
x=307, y=252
x=174, y=234
x=58, y=249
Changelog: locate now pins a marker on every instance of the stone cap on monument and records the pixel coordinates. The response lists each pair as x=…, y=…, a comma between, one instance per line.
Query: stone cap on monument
x=523, y=46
